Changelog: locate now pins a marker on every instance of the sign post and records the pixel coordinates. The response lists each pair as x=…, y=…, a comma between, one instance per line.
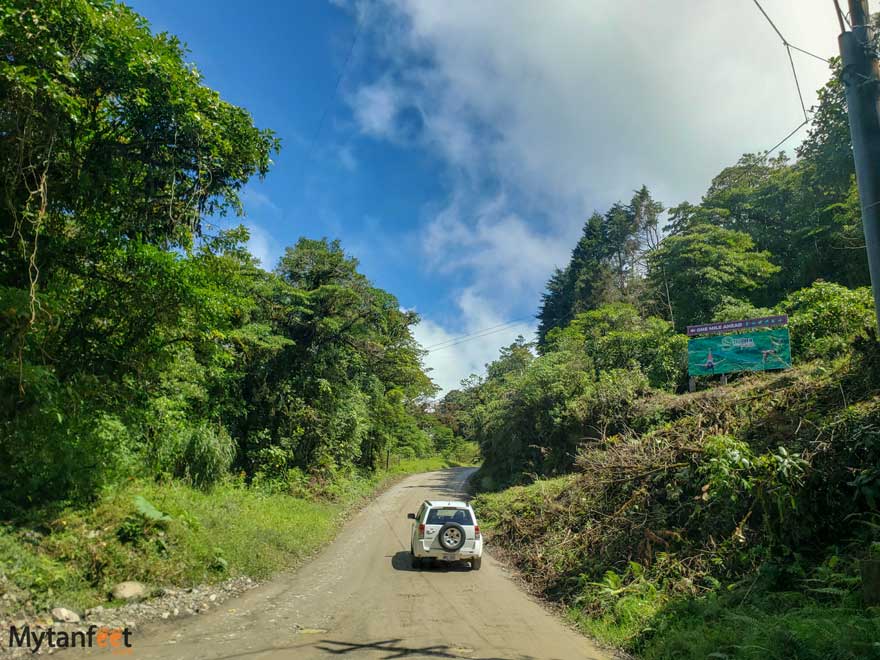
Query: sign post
x=759, y=344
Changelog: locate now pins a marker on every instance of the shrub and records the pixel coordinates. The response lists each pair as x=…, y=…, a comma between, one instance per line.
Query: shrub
x=734, y=309
x=531, y=426
x=824, y=319
x=200, y=454
x=616, y=336
x=207, y=456
x=62, y=444
x=727, y=468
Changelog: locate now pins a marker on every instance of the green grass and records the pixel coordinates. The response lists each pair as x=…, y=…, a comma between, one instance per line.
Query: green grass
x=622, y=622
x=721, y=626
x=769, y=626
x=74, y=556
x=527, y=501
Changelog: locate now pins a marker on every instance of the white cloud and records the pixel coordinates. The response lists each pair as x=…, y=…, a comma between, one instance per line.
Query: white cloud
x=587, y=100
x=449, y=365
x=508, y=258
x=255, y=200
x=507, y=261
x=261, y=243
x=375, y=108
x=263, y=246
x=559, y=108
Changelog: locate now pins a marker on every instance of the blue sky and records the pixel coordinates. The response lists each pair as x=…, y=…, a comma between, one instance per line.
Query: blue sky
x=283, y=65
x=466, y=141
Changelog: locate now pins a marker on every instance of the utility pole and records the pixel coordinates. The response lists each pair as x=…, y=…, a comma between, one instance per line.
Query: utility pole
x=861, y=77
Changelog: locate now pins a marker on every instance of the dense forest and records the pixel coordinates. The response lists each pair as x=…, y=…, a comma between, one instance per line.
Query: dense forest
x=139, y=337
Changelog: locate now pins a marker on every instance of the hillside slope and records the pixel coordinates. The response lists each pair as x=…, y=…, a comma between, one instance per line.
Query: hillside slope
x=728, y=523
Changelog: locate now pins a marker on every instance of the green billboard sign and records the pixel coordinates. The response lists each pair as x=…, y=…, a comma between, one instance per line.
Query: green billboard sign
x=761, y=350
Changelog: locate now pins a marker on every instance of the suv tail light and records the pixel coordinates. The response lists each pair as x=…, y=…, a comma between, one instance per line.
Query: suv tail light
x=477, y=532
x=422, y=531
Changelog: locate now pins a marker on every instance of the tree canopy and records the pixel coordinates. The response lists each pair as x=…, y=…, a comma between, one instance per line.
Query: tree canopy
x=137, y=337
x=766, y=227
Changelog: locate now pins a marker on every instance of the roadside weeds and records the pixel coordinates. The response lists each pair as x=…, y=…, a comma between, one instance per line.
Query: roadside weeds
x=194, y=550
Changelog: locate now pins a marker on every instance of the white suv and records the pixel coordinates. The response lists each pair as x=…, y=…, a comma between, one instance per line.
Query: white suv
x=445, y=531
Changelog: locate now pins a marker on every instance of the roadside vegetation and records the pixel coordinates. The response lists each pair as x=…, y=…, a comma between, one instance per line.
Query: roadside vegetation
x=734, y=522
x=170, y=534
x=729, y=522
x=171, y=410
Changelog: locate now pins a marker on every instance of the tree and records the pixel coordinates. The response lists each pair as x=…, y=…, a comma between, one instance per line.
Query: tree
x=556, y=303
x=342, y=391
x=137, y=339
x=617, y=336
x=825, y=318
x=647, y=212
x=706, y=263
x=513, y=359
x=622, y=232
x=111, y=153
x=607, y=264
x=827, y=151
x=684, y=216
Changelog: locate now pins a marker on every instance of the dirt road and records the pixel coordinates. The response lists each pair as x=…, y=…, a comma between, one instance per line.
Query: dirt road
x=360, y=598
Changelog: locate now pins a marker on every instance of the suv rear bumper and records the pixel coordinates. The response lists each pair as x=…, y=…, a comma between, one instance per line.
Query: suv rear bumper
x=442, y=555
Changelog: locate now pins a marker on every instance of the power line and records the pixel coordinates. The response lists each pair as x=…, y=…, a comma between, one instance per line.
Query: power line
x=841, y=17
x=466, y=338
x=770, y=20
x=477, y=335
x=449, y=343
x=787, y=137
x=470, y=334
x=464, y=341
x=568, y=316
x=788, y=48
x=455, y=341
x=797, y=83
x=806, y=52
x=786, y=42
x=342, y=73
x=325, y=111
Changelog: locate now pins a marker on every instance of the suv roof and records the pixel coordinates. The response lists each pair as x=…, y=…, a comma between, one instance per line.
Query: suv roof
x=446, y=503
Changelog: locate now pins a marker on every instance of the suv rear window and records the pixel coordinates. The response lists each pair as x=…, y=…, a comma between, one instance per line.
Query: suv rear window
x=443, y=516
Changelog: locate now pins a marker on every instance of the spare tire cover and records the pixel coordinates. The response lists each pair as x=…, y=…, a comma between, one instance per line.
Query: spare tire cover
x=451, y=536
